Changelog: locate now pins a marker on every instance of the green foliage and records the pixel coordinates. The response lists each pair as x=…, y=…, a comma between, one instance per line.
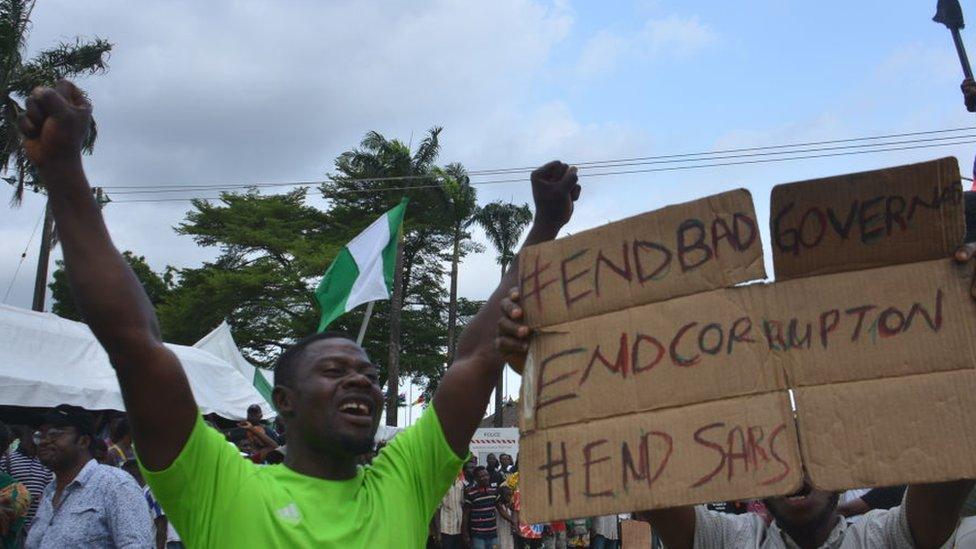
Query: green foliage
x=66, y=60
x=370, y=180
x=503, y=224
x=273, y=249
x=157, y=287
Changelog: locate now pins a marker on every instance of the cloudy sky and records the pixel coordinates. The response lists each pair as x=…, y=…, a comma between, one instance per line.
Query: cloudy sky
x=238, y=92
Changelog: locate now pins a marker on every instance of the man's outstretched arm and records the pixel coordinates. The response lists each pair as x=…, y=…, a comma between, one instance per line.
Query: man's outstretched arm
x=464, y=392
x=112, y=301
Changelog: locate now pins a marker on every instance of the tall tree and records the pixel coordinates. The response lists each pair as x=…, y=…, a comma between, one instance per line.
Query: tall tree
x=503, y=224
x=66, y=60
x=157, y=286
x=20, y=77
x=460, y=206
x=370, y=180
x=272, y=249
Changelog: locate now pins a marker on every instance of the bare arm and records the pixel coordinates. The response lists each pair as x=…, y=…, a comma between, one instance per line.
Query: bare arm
x=161, y=532
x=933, y=510
x=465, y=534
x=464, y=392
x=853, y=508
x=155, y=390
x=503, y=512
x=675, y=526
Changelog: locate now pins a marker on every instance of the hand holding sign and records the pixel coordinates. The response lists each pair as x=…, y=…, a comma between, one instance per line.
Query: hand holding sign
x=513, y=335
x=966, y=253
x=554, y=189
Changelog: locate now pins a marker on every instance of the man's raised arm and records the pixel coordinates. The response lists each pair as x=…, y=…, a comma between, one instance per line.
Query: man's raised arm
x=463, y=394
x=112, y=301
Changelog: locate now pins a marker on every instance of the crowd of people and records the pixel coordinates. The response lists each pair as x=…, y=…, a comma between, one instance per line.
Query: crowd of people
x=74, y=480
x=165, y=465
x=481, y=510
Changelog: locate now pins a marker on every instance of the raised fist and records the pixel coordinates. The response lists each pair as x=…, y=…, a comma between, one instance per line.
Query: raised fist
x=55, y=124
x=554, y=189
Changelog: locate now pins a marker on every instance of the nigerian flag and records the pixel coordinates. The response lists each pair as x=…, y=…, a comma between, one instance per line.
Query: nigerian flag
x=363, y=270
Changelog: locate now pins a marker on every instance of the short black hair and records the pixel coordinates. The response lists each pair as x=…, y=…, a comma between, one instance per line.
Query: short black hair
x=120, y=429
x=284, y=372
x=6, y=437
x=64, y=415
x=480, y=468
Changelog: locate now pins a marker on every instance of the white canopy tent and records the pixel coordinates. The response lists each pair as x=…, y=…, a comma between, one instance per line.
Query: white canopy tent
x=46, y=360
x=220, y=343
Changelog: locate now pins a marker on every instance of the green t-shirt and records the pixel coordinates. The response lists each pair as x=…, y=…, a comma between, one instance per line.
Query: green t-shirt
x=216, y=498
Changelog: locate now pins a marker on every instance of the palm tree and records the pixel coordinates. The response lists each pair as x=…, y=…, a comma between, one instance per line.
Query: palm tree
x=19, y=77
x=66, y=60
x=503, y=225
x=460, y=205
x=380, y=164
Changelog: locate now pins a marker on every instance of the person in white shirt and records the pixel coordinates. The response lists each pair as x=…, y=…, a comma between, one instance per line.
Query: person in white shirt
x=449, y=515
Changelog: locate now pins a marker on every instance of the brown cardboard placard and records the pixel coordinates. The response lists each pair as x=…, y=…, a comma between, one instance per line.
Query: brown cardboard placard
x=689, y=349
x=678, y=250
x=891, y=321
x=679, y=456
x=886, y=322
x=864, y=220
x=874, y=335
x=885, y=432
x=635, y=534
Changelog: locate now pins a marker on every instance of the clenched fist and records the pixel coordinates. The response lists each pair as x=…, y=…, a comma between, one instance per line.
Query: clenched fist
x=55, y=125
x=554, y=189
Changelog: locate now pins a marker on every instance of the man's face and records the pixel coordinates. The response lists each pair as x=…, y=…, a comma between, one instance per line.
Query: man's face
x=806, y=509
x=61, y=448
x=254, y=415
x=481, y=477
x=505, y=460
x=468, y=471
x=492, y=460
x=337, y=401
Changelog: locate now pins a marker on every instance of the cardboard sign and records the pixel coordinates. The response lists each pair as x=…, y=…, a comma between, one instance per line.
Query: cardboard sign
x=635, y=534
x=863, y=220
x=675, y=251
x=886, y=322
x=683, y=399
x=679, y=456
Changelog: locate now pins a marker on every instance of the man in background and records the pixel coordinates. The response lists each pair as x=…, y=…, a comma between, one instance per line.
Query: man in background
x=88, y=504
x=23, y=465
x=449, y=518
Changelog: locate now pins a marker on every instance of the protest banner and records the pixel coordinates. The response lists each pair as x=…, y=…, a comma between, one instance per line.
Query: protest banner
x=675, y=251
x=868, y=219
x=681, y=396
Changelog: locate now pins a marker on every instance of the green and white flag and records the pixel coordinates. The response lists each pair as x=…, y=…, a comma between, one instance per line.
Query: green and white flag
x=363, y=270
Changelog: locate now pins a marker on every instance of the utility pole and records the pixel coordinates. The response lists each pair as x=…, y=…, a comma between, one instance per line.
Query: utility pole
x=43, y=258
x=393, y=363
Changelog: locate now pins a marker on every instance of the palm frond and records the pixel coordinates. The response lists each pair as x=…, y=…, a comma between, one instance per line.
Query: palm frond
x=503, y=224
x=64, y=61
x=427, y=151
x=14, y=23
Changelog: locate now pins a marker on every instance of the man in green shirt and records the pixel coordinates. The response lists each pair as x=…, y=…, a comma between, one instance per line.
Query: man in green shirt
x=326, y=388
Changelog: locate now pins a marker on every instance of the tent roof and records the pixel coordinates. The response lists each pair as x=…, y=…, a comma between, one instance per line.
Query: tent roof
x=46, y=360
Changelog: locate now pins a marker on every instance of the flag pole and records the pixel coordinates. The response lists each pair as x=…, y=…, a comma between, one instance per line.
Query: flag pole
x=362, y=327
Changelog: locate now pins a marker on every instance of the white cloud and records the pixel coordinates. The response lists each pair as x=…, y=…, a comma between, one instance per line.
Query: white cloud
x=250, y=91
x=670, y=36
x=676, y=35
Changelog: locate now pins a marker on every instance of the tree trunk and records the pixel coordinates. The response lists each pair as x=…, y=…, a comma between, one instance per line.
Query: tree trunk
x=501, y=377
x=43, y=258
x=393, y=365
x=453, y=305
